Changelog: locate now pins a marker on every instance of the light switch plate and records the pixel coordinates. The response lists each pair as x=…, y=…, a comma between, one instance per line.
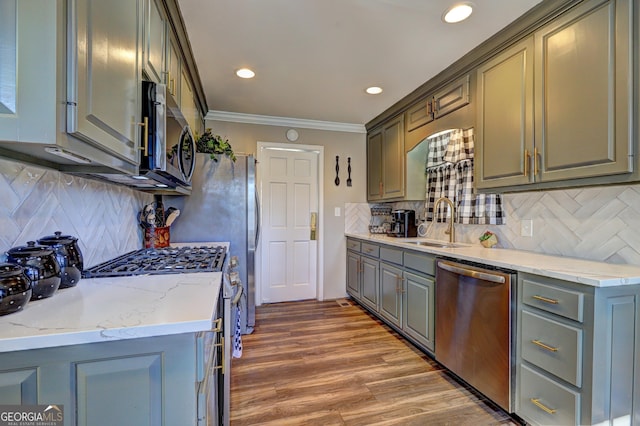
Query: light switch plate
x=526, y=228
x=336, y=211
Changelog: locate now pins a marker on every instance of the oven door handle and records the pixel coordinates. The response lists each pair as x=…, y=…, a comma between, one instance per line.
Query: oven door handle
x=484, y=276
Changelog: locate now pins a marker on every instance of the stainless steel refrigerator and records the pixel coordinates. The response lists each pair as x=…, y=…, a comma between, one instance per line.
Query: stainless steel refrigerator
x=223, y=206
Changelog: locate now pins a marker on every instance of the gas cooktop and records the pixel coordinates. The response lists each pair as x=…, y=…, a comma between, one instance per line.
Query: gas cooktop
x=156, y=261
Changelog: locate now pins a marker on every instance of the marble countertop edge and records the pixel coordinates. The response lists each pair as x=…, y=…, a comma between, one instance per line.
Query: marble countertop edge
x=582, y=271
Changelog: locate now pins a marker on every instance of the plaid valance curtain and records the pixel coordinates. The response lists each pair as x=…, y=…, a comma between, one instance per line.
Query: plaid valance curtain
x=449, y=169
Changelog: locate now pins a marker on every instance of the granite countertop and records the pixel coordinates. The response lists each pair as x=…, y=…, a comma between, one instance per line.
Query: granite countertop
x=105, y=309
x=597, y=274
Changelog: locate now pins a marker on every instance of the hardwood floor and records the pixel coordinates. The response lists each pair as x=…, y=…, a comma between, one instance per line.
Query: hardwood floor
x=320, y=363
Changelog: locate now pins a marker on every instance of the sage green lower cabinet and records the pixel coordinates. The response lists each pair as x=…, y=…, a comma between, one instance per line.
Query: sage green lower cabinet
x=419, y=299
x=353, y=274
x=391, y=293
x=362, y=273
x=576, y=352
x=148, y=381
x=402, y=283
x=369, y=287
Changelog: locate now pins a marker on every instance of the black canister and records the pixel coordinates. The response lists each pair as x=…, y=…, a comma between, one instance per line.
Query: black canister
x=68, y=255
x=40, y=265
x=15, y=288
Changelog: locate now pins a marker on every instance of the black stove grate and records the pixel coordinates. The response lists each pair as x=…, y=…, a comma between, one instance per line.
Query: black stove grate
x=169, y=260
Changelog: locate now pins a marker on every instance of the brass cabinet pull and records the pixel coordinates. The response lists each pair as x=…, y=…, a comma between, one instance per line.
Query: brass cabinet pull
x=217, y=326
x=541, y=406
x=146, y=135
x=527, y=159
x=171, y=82
x=543, y=346
x=399, y=282
x=145, y=142
x=535, y=161
x=434, y=108
x=221, y=366
x=545, y=299
x=429, y=107
x=380, y=188
x=360, y=266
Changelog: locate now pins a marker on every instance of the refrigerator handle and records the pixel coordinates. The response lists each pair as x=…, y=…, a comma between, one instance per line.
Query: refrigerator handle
x=257, y=236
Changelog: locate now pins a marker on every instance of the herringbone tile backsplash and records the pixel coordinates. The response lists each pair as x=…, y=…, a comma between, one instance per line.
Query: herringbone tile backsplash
x=597, y=223
x=37, y=202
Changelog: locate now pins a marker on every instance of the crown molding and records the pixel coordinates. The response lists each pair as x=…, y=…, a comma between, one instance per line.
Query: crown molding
x=269, y=120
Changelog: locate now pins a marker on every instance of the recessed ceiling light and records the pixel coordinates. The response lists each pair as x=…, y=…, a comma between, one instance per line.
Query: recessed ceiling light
x=245, y=73
x=374, y=90
x=457, y=12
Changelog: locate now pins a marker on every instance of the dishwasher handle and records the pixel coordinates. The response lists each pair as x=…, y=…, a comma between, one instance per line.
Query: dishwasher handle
x=473, y=273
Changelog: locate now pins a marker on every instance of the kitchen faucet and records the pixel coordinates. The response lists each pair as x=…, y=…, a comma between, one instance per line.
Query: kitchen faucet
x=451, y=231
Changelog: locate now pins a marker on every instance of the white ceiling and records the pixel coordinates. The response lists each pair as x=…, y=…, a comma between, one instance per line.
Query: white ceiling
x=314, y=58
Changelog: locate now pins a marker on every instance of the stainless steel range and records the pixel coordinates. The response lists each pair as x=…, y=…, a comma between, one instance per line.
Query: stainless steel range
x=169, y=260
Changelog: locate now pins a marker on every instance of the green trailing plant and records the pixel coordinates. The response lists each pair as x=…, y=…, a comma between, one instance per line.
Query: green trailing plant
x=209, y=143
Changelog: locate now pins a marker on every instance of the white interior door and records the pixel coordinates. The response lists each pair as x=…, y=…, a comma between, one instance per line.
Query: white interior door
x=289, y=196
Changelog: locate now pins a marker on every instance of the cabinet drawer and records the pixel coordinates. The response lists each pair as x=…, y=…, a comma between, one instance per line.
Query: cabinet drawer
x=370, y=249
x=353, y=245
x=552, y=346
x=420, y=262
x=560, y=301
x=391, y=255
x=539, y=394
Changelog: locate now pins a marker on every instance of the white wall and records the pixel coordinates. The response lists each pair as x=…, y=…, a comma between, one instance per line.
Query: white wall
x=244, y=138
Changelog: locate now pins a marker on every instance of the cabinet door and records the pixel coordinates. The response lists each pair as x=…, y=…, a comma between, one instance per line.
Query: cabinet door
x=353, y=274
x=28, y=48
x=187, y=103
x=370, y=276
x=104, y=75
x=132, y=384
x=582, y=78
x=391, y=293
x=154, y=41
x=374, y=165
x=174, y=67
x=504, y=129
x=393, y=158
x=19, y=386
x=419, y=309
x=451, y=97
x=419, y=115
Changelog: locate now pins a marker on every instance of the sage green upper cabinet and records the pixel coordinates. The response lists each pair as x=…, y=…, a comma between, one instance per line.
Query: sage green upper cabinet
x=105, y=75
x=374, y=165
x=448, y=99
x=385, y=161
x=504, y=128
x=188, y=104
x=44, y=82
x=580, y=97
x=174, y=67
x=583, y=65
x=155, y=48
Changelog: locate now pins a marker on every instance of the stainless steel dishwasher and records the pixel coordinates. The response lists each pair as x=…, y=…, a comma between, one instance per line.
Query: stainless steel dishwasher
x=474, y=323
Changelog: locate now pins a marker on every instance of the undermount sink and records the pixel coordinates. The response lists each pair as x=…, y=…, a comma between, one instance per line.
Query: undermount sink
x=436, y=244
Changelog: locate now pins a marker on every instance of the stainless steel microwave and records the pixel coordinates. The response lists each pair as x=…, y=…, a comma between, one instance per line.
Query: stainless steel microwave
x=162, y=160
x=167, y=156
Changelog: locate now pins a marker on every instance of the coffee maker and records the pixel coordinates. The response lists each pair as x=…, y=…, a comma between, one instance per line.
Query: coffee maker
x=404, y=224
